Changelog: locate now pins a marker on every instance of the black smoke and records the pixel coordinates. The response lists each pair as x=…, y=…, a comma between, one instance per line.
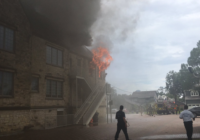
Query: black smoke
x=66, y=22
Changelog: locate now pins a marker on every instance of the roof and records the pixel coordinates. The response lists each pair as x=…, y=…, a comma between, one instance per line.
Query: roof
x=82, y=51
x=143, y=94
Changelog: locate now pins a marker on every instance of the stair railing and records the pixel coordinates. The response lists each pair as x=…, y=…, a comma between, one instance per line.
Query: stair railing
x=93, y=106
x=80, y=112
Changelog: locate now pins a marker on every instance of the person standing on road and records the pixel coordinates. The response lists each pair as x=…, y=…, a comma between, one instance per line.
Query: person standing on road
x=175, y=111
x=141, y=110
x=187, y=116
x=121, y=124
x=178, y=109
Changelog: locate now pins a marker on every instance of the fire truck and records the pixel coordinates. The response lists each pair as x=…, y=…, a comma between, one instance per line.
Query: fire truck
x=165, y=105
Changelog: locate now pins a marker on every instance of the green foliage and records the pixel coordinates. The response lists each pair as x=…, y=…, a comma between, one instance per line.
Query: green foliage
x=187, y=79
x=173, y=84
x=177, y=82
x=194, y=59
x=160, y=91
x=169, y=95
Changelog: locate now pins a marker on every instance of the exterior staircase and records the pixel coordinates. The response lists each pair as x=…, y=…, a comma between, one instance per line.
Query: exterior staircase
x=89, y=107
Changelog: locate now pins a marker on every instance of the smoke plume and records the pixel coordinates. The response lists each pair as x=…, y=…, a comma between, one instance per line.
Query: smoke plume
x=115, y=22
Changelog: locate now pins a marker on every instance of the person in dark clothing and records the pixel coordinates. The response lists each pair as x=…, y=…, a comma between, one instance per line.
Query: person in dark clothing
x=120, y=116
x=178, y=109
x=187, y=116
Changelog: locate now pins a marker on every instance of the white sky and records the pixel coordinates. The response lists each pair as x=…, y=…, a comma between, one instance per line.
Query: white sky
x=147, y=39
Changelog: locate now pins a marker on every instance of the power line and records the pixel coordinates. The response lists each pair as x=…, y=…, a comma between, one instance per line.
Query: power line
x=122, y=90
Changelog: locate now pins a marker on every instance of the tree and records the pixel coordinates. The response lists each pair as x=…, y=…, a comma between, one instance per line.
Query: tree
x=178, y=82
x=188, y=81
x=173, y=84
x=194, y=59
x=160, y=91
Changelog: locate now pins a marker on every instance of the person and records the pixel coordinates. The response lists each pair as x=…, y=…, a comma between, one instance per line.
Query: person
x=187, y=116
x=178, y=110
x=174, y=109
x=149, y=110
x=141, y=110
x=121, y=123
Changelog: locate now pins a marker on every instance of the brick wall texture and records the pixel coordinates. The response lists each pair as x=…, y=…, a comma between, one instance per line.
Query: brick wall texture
x=29, y=59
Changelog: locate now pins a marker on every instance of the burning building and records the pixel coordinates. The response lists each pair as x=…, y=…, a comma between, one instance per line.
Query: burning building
x=46, y=77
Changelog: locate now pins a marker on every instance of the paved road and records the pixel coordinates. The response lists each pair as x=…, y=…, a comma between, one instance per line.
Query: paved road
x=140, y=126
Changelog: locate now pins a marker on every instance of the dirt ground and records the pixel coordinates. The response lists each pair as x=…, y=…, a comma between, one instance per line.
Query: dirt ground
x=140, y=126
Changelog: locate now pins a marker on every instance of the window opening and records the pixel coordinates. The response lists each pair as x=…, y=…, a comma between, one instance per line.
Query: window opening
x=54, y=56
x=6, y=39
x=35, y=84
x=54, y=88
x=6, y=83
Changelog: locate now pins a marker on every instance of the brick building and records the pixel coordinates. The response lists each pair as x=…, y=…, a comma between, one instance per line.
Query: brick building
x=42, y=77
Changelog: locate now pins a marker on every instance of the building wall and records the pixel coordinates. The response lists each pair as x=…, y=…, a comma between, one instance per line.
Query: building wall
x=18, y=62
x=29, y=59
x=43, y=118
x=44, y=71
x=83, y=69
x=192, y=103
x=12, y=121
x=102, y=111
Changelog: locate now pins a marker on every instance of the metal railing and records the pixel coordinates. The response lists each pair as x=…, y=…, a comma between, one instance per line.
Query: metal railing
x=79, y=114
x=58, y=121
x=93, y=106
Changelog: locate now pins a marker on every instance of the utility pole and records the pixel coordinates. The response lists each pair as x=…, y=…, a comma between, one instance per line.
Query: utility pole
x=106, y=103
x=110, y=109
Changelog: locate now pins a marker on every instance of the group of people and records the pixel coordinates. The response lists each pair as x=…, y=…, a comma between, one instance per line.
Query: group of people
x=186, y=115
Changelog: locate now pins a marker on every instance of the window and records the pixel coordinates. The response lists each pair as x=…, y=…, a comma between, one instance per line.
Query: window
x=54, y=56
x=54, y=88
x=79, y=62
x=35, y=84
x=6, y=83
x=6, y=39
x=194, y=93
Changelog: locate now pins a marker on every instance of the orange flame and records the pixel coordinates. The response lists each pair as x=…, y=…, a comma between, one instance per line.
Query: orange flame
x=101, y=59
